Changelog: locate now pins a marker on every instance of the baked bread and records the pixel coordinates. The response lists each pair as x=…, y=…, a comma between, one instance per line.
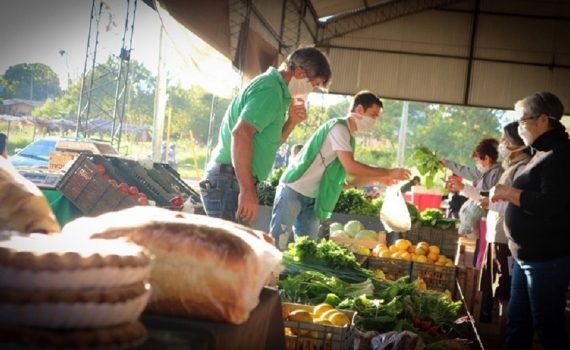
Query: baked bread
x=204, y=267
x=23, y=207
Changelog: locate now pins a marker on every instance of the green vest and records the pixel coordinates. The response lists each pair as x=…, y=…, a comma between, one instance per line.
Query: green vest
x=334, y=175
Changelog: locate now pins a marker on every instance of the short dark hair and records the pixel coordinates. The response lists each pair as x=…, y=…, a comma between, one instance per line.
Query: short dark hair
x=486, y=147
x=296, y=147
x=313, y=61
x=366, y=99
x=3, y=138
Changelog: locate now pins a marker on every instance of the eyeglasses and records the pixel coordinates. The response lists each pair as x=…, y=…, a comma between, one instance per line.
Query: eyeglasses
x=525, y=119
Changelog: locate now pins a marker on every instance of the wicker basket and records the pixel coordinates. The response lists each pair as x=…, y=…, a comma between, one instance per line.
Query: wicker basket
x=436, y=277
x=392, y=268
x=310, y=336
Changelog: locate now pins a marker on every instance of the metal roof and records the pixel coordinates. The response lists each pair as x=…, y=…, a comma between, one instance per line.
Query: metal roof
x=485, y=53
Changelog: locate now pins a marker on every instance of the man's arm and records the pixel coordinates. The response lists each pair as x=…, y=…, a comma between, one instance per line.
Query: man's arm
x=357, y=169
x=242, y=155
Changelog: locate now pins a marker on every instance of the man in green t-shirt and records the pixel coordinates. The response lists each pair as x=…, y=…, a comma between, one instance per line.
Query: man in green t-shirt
x=258, y=120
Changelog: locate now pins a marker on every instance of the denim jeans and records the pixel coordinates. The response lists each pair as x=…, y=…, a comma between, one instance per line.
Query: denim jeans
x=538, y=300
x=292, y=213
x=219, y=192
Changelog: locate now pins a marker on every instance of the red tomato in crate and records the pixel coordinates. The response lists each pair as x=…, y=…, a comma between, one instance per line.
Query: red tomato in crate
x=133, y=191
x=177, y=201
x=142, y=200
x=124, y=187
x=100, y=169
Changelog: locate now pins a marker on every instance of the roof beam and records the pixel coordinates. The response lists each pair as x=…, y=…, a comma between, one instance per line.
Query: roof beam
x=374, y=15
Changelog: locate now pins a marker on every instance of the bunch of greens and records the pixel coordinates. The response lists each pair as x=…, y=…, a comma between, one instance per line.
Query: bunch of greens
x=266, y=189
x=427, y=163
x=325, y=256
x=313, y=287
x=350, y=201
x=435, y=218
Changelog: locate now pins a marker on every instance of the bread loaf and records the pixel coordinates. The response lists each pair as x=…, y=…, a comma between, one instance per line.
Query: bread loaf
x=22, y=205
x=204, y=267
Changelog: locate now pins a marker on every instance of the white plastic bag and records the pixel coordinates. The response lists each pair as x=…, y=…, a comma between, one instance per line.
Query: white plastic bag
x=394, y=213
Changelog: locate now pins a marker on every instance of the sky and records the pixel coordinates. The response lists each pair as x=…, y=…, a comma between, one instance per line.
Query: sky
x=34, y=31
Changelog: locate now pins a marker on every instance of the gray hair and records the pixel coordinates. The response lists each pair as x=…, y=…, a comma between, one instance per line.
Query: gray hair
x=539, y=103
x=313, y=61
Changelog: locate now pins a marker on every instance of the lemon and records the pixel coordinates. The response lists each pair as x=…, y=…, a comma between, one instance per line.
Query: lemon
x=384, y=254
x=362, y=250
x=442, y=259
x=420, y=250
x=323, y=321
x=393, y=249
x=325, y=315
x=318, y=310
x=434, y=249
x=402, y=244
x=405, y=256
x=421, y=259
x=339, y=319
x=301, y=316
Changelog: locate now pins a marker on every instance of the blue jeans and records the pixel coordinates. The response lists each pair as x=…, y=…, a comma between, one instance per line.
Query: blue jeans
x=292, y=213
x=219, y=192
x=538, y=301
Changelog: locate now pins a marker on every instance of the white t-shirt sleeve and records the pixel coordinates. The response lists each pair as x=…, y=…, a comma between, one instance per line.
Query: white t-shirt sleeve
x=339, y=137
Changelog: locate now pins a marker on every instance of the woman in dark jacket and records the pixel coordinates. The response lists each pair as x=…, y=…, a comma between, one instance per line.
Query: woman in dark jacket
x=537, y=223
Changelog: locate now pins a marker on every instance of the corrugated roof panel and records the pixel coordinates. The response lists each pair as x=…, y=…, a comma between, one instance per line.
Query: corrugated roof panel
x=433, y=32
x=523, y=39
x=325, y=8
x=501, y=84
x=272, y=11
x=398, y=76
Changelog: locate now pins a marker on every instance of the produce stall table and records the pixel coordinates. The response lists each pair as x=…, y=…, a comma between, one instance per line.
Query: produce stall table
x=263, y=330
x=63, y=209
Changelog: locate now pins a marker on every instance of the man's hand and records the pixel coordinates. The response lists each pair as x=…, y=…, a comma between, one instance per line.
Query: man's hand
x=484, y=203
x=454, y=184
x=297, y=111
x=247, y=206
x=400, y=174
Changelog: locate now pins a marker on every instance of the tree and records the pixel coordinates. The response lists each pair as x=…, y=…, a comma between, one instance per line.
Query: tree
x=33, y=81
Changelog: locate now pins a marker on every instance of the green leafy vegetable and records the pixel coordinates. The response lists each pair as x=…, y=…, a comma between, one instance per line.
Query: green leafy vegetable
x=427, y=163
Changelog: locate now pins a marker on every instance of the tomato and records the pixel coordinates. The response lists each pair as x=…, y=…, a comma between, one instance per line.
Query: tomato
x=100, y=169
x=133, y=191
x=142, y=200
x=177, y=201
x=124, y=187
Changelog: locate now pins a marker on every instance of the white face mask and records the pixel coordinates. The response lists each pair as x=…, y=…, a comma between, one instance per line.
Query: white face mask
x=480, y=167
x=504, y=152
x=526, y=135
x=300, y=88
x=363, y=123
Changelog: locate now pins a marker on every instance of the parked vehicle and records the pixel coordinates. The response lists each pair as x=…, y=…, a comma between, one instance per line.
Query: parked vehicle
x=37, y=153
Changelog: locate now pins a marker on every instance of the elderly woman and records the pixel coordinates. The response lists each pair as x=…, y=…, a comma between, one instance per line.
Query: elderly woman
x=537, y=222
x=495, y=281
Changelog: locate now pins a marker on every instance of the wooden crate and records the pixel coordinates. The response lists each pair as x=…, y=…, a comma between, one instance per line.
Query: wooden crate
x=436, y=277
x=392, y=268
x=58, y=159
x=310, y=336
x=446, y=240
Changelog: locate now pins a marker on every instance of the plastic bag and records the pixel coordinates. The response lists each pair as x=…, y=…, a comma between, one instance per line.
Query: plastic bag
x=393, y=340
x=394, y=213
x=469, y=216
